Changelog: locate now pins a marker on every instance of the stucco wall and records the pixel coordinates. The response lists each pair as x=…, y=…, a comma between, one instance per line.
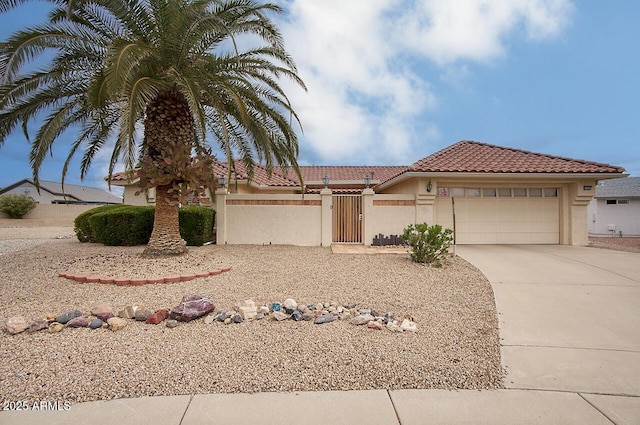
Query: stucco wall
x=273, y=219
x=623, y=218
x=389, y=215
x=54, y=214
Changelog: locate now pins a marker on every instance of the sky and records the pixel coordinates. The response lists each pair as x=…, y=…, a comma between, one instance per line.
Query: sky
x=390, y=82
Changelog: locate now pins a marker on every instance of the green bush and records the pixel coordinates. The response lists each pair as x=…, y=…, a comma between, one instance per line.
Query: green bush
x=196, y=224
x=429, y=244
x=16, y=206
x=118, y=225
x=81, y=225
x=126, y=226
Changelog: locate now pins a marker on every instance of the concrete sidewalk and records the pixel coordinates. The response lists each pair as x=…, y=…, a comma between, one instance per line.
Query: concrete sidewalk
x=406, y=407
x=570, y=331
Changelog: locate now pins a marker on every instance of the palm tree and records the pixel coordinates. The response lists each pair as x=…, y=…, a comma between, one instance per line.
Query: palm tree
x=174, y=67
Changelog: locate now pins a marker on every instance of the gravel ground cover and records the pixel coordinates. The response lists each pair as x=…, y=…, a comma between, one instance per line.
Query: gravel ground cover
x=456, y=346
x=631, y=244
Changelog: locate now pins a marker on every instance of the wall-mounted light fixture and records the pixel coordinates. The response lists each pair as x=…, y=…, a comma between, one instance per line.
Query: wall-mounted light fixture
x=325, y=180
x=367, y=180
x=429, y=186
x=222, y=181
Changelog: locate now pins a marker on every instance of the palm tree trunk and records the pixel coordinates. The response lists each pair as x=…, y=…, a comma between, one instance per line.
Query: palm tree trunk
x=165, y=238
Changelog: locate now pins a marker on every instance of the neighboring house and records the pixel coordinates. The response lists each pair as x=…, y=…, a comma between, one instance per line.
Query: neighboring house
x=615, y=208
x=53, y=193
x=501, y=196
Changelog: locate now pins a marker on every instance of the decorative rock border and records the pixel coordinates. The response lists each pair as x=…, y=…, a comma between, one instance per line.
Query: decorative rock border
x=123, y=281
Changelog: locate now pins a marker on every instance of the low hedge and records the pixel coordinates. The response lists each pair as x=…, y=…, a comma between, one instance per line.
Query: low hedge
x=81, y=225
x=132, y=225
x=196, y=224
x=123, y=226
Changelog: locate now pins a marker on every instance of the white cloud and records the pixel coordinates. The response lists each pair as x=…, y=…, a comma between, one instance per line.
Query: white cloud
x=361, y=60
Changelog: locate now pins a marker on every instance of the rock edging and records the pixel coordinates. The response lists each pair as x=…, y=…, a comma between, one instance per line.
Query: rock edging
x=123, y=281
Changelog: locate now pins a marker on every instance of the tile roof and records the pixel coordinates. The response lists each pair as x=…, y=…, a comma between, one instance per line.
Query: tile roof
x=619, y=188
x=347, y=173
x=476, y=157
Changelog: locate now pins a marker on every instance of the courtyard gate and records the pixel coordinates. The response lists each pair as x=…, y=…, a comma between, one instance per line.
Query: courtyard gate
x=347, y=218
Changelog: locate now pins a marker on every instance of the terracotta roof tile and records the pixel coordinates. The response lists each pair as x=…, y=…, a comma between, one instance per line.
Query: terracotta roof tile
x=346, y=173
x=475, y=157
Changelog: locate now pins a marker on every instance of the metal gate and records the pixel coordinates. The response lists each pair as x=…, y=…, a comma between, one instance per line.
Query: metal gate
x=347, y=219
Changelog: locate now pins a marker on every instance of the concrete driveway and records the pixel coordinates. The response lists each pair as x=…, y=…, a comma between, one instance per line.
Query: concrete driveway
x=569, y=317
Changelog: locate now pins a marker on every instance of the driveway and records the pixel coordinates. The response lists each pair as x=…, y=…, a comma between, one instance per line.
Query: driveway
x=569, y=316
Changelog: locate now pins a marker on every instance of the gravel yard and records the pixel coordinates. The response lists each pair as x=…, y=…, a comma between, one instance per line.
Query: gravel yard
x=456, y=346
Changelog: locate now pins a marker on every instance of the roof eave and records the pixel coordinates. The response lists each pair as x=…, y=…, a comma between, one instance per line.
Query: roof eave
x=498, y=176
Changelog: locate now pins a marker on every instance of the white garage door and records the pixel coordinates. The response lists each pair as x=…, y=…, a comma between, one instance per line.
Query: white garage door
x=519, y=216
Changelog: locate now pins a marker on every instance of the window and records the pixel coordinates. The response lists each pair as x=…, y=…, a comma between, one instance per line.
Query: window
x=489, y=193
x=551, y=193
x=617, y=201
x=504, y=192
x=520, y=192
x=473, y=193
x=535, y=193
x=457, y=192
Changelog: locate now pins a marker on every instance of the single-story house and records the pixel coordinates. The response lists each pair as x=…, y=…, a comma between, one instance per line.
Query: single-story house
x=53, y=193
x=615, y=208
x=489, y=194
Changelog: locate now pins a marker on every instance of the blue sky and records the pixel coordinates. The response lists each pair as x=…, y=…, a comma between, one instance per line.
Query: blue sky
x=391, y=82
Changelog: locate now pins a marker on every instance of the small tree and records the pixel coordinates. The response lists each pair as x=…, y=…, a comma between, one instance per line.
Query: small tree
x=16, y=206
x=429, y=244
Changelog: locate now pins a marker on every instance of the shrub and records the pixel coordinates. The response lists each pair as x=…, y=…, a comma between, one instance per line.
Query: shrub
x=16, y=206
x=429, y=244
x=127, y=226
x=118, y=225
x=81, y=225
x=196, y=224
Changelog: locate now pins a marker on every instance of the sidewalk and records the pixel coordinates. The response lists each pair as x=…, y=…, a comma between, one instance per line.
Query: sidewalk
x=405, y=407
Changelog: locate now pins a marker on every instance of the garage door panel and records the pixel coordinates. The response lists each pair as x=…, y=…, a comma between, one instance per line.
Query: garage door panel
x=504, y=220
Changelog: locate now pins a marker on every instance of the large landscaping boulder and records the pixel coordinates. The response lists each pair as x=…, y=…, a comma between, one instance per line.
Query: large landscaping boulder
x=192, y=307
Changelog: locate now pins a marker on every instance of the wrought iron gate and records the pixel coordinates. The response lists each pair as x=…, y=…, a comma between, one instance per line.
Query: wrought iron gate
x=347, y=218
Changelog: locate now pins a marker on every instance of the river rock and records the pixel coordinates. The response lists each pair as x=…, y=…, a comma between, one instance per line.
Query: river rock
x=16, y=324
x=248, y=312
x=116, y=323
x=280, y=316
x=325, y=318
x=361, y=319
x=96, y=323
x=237, y=318
x=209, y=319
x=296, y=315
x=142, y=315
x=192, y=307
x=78, y=322
x=260, y=316
x=374, y=324
x=276, y=306
x=171, y=323
x=290, y=304
x=129, y=312
x=38, y=325
x=408, y=325
x=158, y=316
x=104, y=316
x=308, y=316
x=66, y=316
x=101, y=308
x=393, y=327
x=55, y=327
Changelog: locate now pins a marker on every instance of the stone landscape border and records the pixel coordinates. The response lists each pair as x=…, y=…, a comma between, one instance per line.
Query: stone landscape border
x=123, y=281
